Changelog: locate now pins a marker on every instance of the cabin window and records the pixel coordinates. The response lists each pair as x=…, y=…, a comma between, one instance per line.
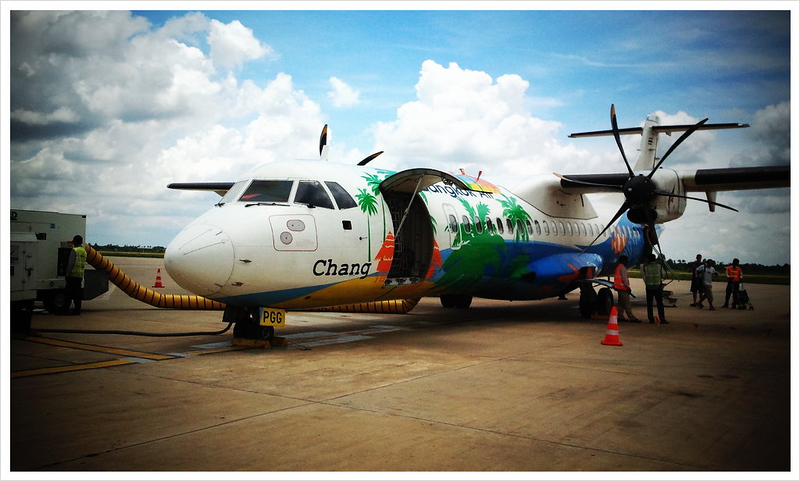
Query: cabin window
x=312, y=194
x=519, y=225
x=499, y=222
x=546, y=228
x=529, y=226
x=555, y=229
x=538, y=227
x=489, y=225
x=478, y=225
x=341, y=196
x=583, y=228
x=510, y=226
x=453, y=223
x=467, y=224
x=268, y=191
x=571, y=232
x=563, y=229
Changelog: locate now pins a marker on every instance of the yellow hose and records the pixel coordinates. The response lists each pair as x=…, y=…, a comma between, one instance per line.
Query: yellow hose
x=179, y=301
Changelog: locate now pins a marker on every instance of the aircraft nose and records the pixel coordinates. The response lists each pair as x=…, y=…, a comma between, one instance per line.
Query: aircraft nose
x=200, y=259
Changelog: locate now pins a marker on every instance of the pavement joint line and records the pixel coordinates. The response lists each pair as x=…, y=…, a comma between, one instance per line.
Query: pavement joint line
x=71, y=368
x=95, y=348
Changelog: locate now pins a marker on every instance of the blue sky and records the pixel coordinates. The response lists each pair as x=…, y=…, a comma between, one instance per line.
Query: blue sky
x=106, y=108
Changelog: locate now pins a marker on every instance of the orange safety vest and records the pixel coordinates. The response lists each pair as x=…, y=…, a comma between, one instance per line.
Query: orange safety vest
x=619, y=283
x=734, y=273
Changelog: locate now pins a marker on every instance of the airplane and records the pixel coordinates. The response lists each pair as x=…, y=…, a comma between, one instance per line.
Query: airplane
x=308, y=234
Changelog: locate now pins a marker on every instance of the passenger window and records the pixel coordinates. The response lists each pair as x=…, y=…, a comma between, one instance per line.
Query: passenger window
x=546, y=228
x=341, y=196
x=571, y=232
x=530, y=227
x=555, y=230
x=489, y=225
x=453, y=223
x=510, y=226
x=467, y=224
x=499, y=222
x=267, y=191
x=519, y=225
x=563, y=229
x=538, y=227
x=478, y=225
x=311, y=193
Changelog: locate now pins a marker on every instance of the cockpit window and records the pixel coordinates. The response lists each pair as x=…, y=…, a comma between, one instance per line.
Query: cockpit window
x=342, y=197
x=312, y=193
x=233, y=193
x=267, y=191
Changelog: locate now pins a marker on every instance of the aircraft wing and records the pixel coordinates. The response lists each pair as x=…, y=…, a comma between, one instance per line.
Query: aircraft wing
x=701, y=180
x=220, y=188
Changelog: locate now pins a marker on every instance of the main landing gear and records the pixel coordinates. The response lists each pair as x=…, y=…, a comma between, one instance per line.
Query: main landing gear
x=592, y=302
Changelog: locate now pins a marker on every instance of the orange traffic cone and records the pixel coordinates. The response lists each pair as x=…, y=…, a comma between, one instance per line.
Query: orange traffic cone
x=612, y=331
x=158, y=283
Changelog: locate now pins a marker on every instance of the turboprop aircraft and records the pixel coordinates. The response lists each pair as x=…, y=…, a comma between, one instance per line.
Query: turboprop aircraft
x=308, y=234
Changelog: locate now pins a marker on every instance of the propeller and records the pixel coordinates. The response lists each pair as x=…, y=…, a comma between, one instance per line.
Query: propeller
x=369, y=158
x=323, y=143
x=639, y=190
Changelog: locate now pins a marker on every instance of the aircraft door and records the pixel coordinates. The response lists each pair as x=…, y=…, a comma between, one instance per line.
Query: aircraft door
x=413, y=242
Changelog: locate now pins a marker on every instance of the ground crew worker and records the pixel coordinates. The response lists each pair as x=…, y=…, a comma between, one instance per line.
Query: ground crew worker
x=653, y=274
x=623, y=287
x=76, y=266
x=734, y=273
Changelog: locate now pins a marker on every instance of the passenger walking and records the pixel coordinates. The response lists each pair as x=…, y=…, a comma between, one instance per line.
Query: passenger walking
x=708, y=272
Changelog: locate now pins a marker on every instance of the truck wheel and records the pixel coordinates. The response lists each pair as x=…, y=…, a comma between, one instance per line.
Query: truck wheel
x=56, y=301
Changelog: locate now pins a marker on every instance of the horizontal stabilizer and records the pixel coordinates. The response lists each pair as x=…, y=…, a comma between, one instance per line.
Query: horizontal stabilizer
x=666, y=129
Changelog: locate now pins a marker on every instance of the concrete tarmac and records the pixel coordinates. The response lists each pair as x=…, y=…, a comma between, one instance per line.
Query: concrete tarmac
x=499, y=387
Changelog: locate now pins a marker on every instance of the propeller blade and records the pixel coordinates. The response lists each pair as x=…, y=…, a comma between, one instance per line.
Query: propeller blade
x=615, y=129
x=670, y=194
x=323, y=143
x=588, y=184
x=369, y=159
x=625, y=206
x=683, y=137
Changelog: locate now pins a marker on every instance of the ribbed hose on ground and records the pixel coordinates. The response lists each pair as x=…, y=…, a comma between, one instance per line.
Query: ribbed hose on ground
x=179, y=301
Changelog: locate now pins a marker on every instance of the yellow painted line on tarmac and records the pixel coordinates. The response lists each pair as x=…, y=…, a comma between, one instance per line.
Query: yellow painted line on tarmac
x=103, y=349
x=71, y=368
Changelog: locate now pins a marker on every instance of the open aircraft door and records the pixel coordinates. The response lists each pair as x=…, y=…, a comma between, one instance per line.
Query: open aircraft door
x=413, y=232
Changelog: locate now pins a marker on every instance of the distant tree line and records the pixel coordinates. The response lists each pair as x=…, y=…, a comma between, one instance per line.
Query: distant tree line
x=128, y=249
x=752, y=269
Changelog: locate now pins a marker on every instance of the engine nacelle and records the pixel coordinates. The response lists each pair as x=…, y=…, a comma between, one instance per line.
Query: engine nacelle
x=667, y=208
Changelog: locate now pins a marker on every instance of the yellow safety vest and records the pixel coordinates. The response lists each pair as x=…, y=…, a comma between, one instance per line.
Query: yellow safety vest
x=80, y=262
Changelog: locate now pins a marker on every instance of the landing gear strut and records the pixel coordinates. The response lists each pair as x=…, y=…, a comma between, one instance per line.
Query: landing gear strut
x=247, y=325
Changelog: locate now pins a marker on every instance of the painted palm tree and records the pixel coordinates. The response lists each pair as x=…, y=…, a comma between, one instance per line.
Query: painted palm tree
x=517, y=215
x=367, y=202
x=374, y=183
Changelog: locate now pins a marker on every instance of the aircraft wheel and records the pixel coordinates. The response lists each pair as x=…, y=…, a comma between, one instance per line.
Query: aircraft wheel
x=457, y=301
x=587, y=303
x=605, y=301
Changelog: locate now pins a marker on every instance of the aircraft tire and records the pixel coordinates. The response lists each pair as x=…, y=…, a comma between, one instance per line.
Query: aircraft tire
x=605, y=301
x=456, y=301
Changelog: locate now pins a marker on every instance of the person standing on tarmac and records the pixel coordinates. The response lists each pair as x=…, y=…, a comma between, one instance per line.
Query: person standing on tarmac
x=623, y=287
x=653, y=274
x=697, y=279
x=734, y=274
x=76, y=267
